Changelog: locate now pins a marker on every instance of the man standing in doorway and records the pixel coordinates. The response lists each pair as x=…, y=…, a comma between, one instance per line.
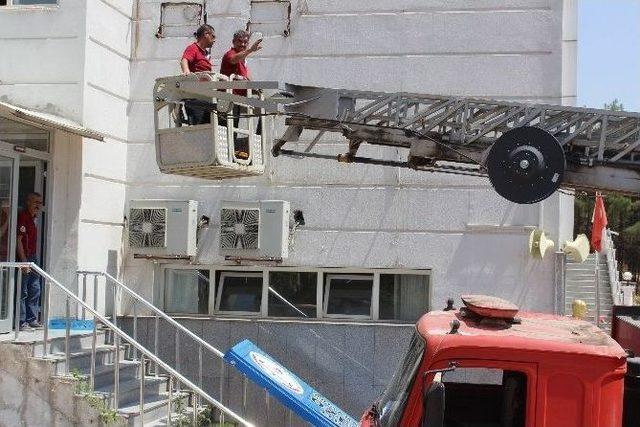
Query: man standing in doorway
x=27, y=244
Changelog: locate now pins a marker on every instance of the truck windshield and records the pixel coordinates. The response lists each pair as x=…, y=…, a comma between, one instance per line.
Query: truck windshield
x=395, y=396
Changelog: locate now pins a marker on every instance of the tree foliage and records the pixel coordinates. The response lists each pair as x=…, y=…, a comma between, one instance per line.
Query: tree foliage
x=623, y=215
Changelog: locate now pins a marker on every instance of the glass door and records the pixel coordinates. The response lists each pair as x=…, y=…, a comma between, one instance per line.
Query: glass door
x=7, y=239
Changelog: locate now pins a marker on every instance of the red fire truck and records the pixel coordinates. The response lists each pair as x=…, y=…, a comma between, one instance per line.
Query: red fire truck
x=489, y=365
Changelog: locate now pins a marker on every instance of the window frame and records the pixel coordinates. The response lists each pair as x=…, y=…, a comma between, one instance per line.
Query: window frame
x=318, y=309
x=11, y=4
x=327, y=294
x=409, y=272
x=321, y=274
x=211, y=297
x=220, y=286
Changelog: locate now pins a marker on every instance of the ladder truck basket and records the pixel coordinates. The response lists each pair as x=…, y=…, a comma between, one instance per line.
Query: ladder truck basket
x=200, y=135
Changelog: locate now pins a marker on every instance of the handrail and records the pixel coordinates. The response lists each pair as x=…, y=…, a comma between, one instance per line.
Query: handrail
x=612, y=265
x=155, y=310
x=127, y=338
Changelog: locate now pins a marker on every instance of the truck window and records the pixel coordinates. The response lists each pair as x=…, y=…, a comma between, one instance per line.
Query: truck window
x=479, y=397
x=393, y=399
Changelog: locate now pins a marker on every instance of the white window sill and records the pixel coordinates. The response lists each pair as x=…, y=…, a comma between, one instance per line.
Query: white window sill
x=30, y=7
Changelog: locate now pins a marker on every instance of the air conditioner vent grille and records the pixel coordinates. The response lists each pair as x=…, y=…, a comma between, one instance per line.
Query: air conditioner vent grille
x=148, y=228
x=239, y=228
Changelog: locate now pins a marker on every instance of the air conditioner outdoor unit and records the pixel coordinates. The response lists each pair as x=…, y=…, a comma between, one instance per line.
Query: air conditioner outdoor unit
x=163, y=227
x=255, y=229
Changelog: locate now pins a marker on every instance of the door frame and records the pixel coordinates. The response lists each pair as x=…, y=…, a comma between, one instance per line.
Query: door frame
x=6, y=325
x=21, y=156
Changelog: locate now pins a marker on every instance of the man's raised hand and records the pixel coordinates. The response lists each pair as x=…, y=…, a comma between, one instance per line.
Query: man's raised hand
x=256, y=46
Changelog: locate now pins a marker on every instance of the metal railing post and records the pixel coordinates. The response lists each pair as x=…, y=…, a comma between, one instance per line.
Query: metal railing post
x=115, y=306
x=45, y=317
x=142, y=373
x=245, y=381
x=169, y=410
x=194, y=403
x=222, y=381
x=200, y=365
x=67, y=333
x=155, y=340
x=95, y=292
x=18, y=298
x=116, y=374
x=84, y=295
x=135, y=330
x=92, y=372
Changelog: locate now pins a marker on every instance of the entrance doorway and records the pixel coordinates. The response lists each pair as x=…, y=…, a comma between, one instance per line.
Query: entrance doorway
x=21, y=173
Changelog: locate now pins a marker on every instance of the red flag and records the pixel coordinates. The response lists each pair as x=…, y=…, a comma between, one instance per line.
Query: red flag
x=599, y=221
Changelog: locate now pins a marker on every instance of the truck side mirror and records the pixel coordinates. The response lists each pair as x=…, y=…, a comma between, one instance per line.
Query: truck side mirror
x=433, y=401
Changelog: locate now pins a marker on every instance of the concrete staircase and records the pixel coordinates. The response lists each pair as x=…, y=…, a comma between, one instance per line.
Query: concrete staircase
x=158, y=403
x=580, y=283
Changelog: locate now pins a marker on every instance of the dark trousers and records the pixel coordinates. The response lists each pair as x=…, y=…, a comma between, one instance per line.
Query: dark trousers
x=30, y=295
x=198, y=112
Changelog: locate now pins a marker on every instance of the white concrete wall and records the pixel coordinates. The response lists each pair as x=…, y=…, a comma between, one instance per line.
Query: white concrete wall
x=106, y=100
x=370, y=216
x=73, y=60
x=43, y=50
x=43, y=68
x=570, y=52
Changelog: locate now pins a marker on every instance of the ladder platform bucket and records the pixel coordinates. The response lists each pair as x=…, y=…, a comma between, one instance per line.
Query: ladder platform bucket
x=204, y=137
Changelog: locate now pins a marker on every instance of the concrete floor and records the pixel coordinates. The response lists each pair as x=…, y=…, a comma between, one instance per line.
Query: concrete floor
x=37, y=335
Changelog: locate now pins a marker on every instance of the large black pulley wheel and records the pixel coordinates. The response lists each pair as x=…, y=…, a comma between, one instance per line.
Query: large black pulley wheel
x=526, y=165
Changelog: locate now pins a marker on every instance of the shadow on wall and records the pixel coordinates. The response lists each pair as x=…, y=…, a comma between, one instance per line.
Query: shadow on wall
x=478, y=266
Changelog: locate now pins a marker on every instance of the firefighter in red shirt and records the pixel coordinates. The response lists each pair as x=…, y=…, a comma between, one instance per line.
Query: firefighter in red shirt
x=27, y=244
x=233, y=63
x=195, y=58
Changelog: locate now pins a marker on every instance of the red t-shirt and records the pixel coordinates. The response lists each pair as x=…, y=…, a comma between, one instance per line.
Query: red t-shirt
x=29, y=232
x=196, y=58
x=240, y=68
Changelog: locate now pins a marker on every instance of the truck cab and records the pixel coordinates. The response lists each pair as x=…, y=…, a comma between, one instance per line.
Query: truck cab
x=489, y=365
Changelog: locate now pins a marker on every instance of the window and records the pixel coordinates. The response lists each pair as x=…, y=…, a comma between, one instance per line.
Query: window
x=403, y=296
x=179, y=19
x=186, y=291
x=292, y=294
x=348, y=295
x=270, y=18
x=26, y=2
x=307, y=293
x=239, y=292
x=481, y=396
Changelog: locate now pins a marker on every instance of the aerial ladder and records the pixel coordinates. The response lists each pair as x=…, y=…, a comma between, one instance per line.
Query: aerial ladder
x=528, y=151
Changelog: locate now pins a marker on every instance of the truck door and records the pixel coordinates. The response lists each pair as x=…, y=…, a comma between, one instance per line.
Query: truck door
x=481, y=393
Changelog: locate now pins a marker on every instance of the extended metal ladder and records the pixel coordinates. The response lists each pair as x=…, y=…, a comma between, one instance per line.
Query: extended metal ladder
x=601, y=148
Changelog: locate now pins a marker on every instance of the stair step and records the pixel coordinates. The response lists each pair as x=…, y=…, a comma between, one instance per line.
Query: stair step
x=81, y=360
x=155, y=408
x=129, y=390
x=104, y=374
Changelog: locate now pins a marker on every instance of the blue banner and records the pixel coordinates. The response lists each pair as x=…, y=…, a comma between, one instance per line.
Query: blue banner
x=290, y=390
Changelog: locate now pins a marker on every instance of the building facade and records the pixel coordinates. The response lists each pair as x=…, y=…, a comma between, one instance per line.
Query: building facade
x=379, y=245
